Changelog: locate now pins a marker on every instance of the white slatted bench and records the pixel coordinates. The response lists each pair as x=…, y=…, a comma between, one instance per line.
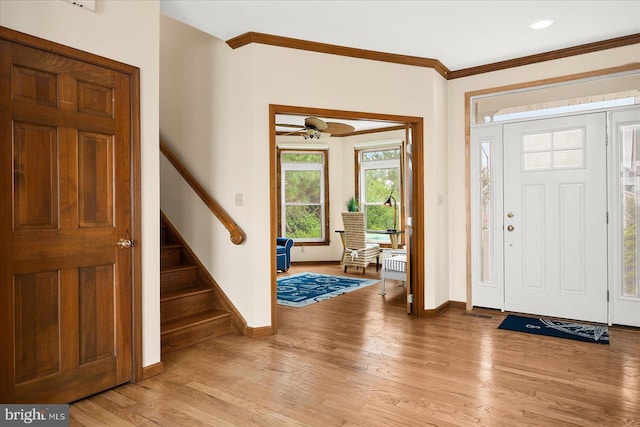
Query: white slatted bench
x=394, y=267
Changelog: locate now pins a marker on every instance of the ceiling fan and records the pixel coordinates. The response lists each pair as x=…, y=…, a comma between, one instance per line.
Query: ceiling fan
x=314, y=126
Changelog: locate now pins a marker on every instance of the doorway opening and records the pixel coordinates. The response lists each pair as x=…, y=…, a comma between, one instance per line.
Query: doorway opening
x=497, y=123
x=413, y=131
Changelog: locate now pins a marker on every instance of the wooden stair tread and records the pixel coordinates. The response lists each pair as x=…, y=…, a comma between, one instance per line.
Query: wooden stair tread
x=194, y=319
x=181, y=267
x=183, y=292
x=171, y=246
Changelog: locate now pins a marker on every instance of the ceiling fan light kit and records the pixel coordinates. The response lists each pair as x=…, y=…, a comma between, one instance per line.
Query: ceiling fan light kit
x=310, y=133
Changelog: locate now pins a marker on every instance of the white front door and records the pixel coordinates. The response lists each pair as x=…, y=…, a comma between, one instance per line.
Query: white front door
x=555, y=217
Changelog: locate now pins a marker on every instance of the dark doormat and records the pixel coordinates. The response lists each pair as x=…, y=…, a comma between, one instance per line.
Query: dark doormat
x=556, y=328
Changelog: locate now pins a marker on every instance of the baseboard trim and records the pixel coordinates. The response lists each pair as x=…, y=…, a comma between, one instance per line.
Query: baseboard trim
x=262, y=331
x=152, y=370
x=435, y=312
x=458, y=304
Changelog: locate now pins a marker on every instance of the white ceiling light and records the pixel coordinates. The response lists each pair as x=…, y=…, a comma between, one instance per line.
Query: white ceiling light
x=543, y=23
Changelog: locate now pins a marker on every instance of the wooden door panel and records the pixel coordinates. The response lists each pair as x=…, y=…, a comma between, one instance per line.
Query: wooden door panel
x=47, y=62
x=46, y=116
x=95, y=99
x=65, y=294
x=96, y=310
x=37, y=325
x=35, y=172
x=84, y=367
x=95, y=180
x=60, y=250
x=35, y=86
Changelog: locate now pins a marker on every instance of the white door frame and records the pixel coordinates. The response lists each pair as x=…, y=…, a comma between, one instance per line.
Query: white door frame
x=486, y=259
x=479, y=288
x=622, y=309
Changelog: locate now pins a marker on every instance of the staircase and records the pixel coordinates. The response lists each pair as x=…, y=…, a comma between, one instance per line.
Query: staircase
x=189, y=308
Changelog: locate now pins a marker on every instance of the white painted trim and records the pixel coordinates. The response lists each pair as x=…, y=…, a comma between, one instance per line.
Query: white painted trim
x=311, y=146
x=383, y=143
x=487, y=294
x=620, y=307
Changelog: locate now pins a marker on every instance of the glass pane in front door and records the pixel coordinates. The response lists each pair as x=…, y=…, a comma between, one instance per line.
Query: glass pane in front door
x=630, y=191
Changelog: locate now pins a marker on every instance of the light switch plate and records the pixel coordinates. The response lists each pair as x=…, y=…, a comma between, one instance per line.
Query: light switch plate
x=84, y=4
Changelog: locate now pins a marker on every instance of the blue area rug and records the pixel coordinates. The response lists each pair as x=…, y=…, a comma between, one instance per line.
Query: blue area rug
x=303, y=289
x=555, y=328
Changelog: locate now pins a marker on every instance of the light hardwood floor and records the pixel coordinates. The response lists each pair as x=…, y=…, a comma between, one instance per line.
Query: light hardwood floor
x=359, y=360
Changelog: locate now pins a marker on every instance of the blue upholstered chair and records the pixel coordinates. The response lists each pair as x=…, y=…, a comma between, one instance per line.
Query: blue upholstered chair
x=283, y=253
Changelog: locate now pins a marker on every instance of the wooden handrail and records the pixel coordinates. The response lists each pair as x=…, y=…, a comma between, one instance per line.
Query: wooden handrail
x=236, y=234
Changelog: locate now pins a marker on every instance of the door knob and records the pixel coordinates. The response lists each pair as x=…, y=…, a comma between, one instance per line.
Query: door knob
x=124, y=243
x=510, y=228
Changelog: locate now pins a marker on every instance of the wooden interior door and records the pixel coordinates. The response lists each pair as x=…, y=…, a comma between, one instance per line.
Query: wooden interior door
x=65, y=201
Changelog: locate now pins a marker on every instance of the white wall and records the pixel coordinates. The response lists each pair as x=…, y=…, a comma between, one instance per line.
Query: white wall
x=456, y=139
x=227, y=144
x=202, y=88
x=127, y=32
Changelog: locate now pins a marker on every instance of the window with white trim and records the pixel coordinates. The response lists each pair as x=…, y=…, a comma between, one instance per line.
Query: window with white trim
x=304, y=196
x=379, y=180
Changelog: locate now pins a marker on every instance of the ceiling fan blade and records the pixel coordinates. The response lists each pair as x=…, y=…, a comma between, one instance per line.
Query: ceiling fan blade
x=335, y=128
x=315, y=123
x=286, y=125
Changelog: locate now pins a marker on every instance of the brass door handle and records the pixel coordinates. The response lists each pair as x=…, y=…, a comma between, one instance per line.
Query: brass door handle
x=124, y=243
x=510, y=228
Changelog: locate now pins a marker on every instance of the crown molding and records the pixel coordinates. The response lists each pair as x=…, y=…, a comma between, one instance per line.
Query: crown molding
x=331, y=49
x=547, y=56
x=436, y=65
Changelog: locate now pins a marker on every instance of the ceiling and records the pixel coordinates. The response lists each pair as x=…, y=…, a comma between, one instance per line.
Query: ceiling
x=460, y=34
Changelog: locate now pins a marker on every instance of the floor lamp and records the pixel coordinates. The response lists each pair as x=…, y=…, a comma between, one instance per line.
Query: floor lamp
x=395, y=214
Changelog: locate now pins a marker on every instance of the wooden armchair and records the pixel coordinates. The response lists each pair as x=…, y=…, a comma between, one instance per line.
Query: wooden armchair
x=357, y=252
